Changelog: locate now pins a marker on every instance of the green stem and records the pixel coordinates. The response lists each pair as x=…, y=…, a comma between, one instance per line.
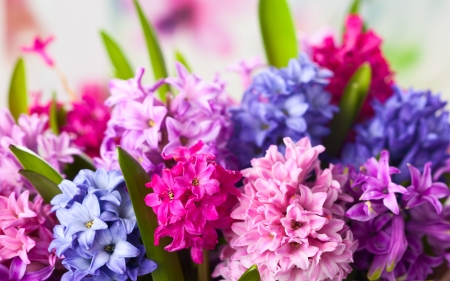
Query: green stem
x=203, y=268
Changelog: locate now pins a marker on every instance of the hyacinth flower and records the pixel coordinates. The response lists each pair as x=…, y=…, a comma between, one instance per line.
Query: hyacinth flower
x=412, y=125
x=97, y=232
x=287, y=220
x=357, y=47
x=86, y=117
x=146, y=127
x=288, y=102
x=25, y=234
x=391, y=222
x=30, y=132
x=192, y=200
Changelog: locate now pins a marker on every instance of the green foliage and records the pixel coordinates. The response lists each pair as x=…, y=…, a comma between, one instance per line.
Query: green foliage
x=33, y=162
x=278, y=32
x=252, y=274
x=350, y=105
x=122, y=68
x=135, y=177
x=46, y=188
x=154, y=51
x=18, y=95
x=181, y=59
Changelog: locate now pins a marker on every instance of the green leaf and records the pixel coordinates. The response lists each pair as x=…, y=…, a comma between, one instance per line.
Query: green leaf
x=80, y=162
x=350, y=105
x=122, y=68
x=46, y=188
x=53, y=115
x=154, y=51
x=278, y=32
x=354, y=8
x=252, y=274
x=181, y=59
x=18, y=95
x=135, y=177
x=33, y=162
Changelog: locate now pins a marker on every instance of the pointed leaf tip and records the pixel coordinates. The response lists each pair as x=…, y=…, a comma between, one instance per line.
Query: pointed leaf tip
x=18, y=95
x=33, y=162
x=179, y=57
x=355, y=94
x=135, y=179
x=122, y=68
x=44, y=186
x=154, y=51
x=355, y=7
x=251, y=274
x=278, y=32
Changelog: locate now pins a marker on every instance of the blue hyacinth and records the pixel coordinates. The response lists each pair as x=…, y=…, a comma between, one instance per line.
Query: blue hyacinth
x=288, y=102
x=412, y=125
x=98, y=234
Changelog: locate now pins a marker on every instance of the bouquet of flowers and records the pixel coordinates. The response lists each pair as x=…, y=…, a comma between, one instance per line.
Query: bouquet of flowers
x=326, y=170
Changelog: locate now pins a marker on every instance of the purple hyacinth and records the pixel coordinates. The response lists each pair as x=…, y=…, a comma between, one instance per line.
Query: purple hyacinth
x=391, y=222
x=288, y=102
x=30, y=132
x=146, y=127
x=412, y=125
x=98, y=234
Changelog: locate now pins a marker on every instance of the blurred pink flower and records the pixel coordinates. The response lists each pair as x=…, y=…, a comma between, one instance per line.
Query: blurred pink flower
x=201, y=18
x=38, y=47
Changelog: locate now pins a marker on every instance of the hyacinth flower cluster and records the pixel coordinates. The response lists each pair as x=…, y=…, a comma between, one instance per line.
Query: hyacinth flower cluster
x=30, y=132
x=358, y=46
x=403, y=231
x=288, y=102
x=289, y=219
x=146, y=127
x=193, y=200
x=85, y=120
x=412, y=125
x=97, y=232
x=25, y=235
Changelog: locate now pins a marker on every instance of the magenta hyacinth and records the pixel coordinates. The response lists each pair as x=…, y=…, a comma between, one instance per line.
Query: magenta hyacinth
x=192, y=200
x=25, y=234
x=358, y=46
x=289, y=219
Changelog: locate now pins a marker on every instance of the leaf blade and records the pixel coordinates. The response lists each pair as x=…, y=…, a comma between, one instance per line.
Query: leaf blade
x=278, y=32
x=53, y=115
x=135, y=179
x=154, y=51
x=80, y=162
x=179, y=57
x=46, y=188
x=251, y=274
x=122, y=68
x=33, y=162
x=350, y=105
x=18, y=95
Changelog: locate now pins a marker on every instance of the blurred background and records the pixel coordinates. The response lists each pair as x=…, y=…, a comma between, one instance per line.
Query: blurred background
x=212, y=34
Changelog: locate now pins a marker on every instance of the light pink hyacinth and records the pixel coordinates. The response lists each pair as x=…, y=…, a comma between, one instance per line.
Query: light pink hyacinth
x=289, y=219
x=25, y=234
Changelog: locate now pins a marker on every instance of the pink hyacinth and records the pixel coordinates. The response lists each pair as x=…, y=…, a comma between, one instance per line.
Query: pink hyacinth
x=289, y=221
x=358, y=46
x=30, y=132
x=25, y=235
x=192, y=200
